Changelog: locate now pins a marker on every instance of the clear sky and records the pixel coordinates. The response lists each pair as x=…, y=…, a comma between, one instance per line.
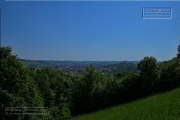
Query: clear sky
x=102, y=31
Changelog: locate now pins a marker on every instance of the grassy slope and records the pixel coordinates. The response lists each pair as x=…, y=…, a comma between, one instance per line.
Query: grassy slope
x=33, y=62
x=165, y=106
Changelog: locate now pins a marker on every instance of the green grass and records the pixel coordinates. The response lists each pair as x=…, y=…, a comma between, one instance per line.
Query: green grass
x=165, y=106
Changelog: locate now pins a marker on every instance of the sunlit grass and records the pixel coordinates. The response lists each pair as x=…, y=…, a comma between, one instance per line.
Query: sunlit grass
x=165, y=106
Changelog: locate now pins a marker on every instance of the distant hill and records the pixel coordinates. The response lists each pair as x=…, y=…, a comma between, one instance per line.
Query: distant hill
x=165, y=106
x=109, y=67
x=34, y=63
x=122, y=67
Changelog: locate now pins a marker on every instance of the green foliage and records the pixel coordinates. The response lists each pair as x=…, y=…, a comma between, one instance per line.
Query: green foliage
x=170, y=74
x=148, y=67
x=67, y=95
x=55, y=87
x=63, y=95
x=178, y=55
x=17, y=88
x=83, y=91
x=148, y=74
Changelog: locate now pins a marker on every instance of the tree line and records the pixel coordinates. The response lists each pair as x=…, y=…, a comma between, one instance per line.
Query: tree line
x=68, y=95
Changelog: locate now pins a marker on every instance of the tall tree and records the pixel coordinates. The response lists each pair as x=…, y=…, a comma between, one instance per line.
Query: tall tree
x=178, y=55
x=149, y=74
x=170, y=74
x=17, y=88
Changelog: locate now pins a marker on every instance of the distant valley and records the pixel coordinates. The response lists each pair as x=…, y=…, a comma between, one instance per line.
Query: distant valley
x=110, y=67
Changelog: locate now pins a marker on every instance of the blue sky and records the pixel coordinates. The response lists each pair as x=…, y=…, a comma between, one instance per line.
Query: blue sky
x=102, y=31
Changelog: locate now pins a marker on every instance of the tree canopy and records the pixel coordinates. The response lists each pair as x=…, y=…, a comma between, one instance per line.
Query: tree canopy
x=66, y=94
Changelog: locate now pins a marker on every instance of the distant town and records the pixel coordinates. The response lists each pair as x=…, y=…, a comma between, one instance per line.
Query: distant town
x=74, y=67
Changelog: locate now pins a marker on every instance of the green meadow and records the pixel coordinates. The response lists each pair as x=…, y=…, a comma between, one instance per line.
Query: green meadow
x=164, y=106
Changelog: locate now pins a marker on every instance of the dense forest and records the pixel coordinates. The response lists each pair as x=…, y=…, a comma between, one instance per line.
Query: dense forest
x=66, y=95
